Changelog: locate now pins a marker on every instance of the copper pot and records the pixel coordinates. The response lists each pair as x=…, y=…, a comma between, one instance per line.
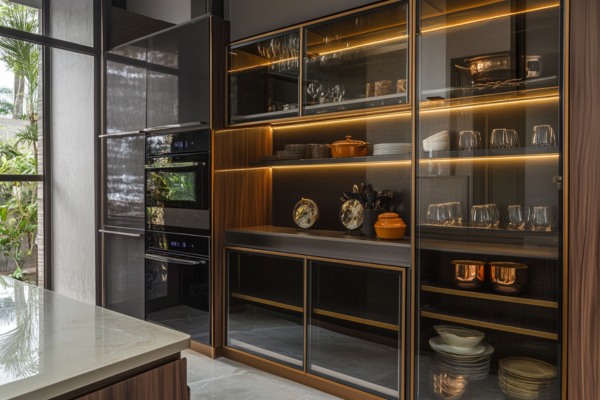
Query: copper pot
x=508, y=277
x=349, y=148
x=468, y=274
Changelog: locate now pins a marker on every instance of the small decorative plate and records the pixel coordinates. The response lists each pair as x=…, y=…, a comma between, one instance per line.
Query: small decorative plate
x=305, y=213
x=351, y=214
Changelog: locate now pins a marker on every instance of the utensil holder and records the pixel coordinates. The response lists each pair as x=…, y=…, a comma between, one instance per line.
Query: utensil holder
x=370, y=216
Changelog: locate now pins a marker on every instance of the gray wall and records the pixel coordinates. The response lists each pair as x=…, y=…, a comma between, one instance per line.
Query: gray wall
x=72, y=154
x=252, y=17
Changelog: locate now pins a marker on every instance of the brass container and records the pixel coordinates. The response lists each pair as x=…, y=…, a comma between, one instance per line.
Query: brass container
x=389, y=225
x=468, y=274
x=508, y=277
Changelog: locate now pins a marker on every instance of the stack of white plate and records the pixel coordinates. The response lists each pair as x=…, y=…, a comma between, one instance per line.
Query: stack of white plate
x=380, y=149
x=471, y=362
x=523, y=378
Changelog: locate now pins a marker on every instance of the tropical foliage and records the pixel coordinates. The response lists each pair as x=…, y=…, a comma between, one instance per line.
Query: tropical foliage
x=19, y=156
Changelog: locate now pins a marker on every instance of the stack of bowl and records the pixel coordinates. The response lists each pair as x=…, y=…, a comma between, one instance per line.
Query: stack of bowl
x=461, y=351
x=526, y=378
x=293, y=151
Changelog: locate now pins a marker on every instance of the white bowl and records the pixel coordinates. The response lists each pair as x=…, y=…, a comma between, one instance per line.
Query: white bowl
x=458, y=336
x=437, y=142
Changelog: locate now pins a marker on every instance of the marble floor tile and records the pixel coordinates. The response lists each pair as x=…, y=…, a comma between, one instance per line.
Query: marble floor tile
x=224, y=379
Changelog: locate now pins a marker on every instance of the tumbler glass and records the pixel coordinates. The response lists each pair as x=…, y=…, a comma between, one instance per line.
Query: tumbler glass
x=542, y=219
x=543, y=135
x=468, y=140
x=499, y=139
x=516, y=221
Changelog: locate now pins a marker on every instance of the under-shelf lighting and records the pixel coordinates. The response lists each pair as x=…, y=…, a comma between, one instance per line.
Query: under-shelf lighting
x=489, y=18
x=362, y=45
x=344, y=120
x=500, y=103
x=344, y=165
x=524, y=157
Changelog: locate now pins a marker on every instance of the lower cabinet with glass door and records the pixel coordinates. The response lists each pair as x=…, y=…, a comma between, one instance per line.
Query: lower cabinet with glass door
x=339, y=320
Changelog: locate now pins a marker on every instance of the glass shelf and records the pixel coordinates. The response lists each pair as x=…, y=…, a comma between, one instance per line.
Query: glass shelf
x=355, y=104
x=525, y=250
x=520, y=153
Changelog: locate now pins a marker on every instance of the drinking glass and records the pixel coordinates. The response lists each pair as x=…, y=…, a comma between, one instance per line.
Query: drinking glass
x=494, y=216
x=542, y=219
x=455, y=216
x=433, y=214
x=543, y=135
x=468, y=140
x=499, y=139
x=513, y=139
x=480, y=217
x=515, y=218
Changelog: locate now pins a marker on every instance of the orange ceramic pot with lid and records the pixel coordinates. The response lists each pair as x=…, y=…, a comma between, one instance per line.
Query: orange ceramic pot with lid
x=389, y=225
x=349, y=148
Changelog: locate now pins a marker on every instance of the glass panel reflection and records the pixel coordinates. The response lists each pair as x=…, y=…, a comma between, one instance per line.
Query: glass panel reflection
x=265, y=306
x=357, y=62
x=488, y=199
x=355, y=332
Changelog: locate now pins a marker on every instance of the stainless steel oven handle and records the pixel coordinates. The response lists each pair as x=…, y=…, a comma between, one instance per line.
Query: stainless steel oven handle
x=175, y=165
x=156, y=257
x=136, y=235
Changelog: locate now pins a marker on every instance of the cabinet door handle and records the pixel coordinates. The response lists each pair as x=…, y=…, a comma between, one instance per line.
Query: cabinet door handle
x=118, y=134
x=175, y=165
x=156, y=257
x=137, y=235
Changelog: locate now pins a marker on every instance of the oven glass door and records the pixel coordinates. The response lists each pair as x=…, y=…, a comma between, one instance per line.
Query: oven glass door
x=177, y=192
x=178, y=294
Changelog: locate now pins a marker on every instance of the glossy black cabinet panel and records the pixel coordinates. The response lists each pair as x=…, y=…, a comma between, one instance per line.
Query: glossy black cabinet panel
x=265, y=306
x=356, y=326
x=124, y=272
x=124, y=181
x=125, y=97
x=178, y=66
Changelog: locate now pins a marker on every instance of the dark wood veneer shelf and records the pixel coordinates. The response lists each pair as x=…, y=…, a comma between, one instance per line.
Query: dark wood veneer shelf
x=333, y=161
x=437, y=287
x=322, y=243
x=441, y=314
x=533, y=249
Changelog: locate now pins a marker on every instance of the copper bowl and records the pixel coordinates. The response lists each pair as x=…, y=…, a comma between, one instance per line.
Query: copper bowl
x=468, y=274
x=508, y=277
x=349, y=148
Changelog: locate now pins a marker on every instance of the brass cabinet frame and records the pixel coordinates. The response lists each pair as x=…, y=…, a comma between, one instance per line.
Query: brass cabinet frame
x=304, y=376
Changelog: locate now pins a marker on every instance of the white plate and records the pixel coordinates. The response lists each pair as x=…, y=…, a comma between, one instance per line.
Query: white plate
x=528, y=367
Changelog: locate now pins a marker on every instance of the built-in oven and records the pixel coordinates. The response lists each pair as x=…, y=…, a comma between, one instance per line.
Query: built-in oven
x=178, y=290
x=177, y=177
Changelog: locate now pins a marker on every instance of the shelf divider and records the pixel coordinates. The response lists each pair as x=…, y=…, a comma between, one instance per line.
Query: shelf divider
x=358, y=320
x=267, y=302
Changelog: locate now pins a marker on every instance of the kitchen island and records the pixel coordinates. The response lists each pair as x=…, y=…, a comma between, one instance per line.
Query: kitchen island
x=53, y=347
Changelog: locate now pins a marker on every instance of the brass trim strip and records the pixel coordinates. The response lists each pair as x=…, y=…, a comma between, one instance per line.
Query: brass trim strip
x=267, y=302
x=490, y=296
x=490, y=325
x=305, y=316
x=301, y=74
x=402, y=344
x=358, y=320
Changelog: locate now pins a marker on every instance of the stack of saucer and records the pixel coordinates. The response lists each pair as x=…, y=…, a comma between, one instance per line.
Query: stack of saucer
x=462, y=351
x=391, y=148
x=526, y=378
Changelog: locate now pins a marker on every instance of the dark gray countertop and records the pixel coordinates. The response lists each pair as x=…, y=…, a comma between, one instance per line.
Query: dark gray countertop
x=322, y=243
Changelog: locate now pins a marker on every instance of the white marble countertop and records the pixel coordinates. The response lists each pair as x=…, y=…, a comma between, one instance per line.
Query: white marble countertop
x=51, y=345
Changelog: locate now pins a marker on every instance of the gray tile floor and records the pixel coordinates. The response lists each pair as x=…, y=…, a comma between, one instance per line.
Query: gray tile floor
x=224, y=379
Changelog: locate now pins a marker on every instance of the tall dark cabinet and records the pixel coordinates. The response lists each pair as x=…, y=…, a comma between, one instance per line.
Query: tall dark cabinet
x=173, y=78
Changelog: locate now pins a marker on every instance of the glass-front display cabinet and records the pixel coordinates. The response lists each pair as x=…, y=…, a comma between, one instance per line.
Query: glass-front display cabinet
x=488, y=210
x=263, y=78
x=357, y=61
